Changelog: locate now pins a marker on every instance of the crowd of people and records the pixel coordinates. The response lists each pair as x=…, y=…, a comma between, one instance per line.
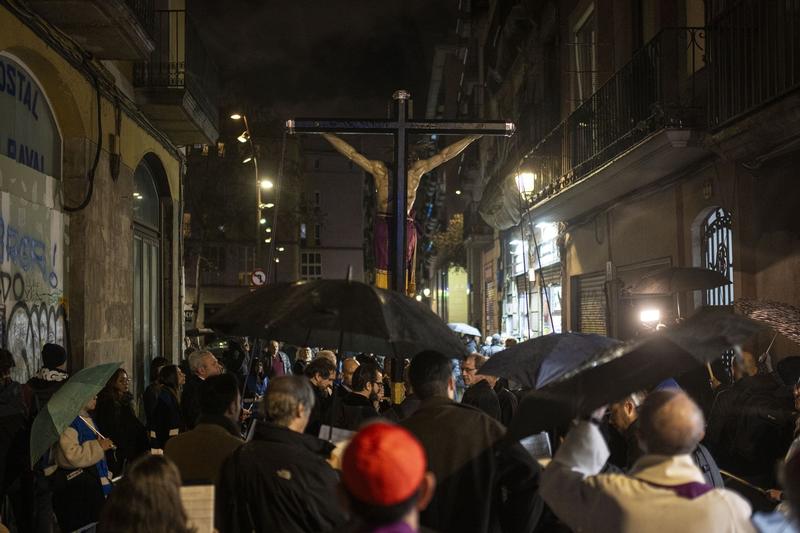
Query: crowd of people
x=318, y=441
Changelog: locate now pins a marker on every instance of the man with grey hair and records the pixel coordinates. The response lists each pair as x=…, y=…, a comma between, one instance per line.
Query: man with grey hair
x=202, y=365
x=664, y=490
x=281, y=480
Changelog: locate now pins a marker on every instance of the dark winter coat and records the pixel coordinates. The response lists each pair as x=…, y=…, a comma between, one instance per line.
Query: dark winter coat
x=149, y=401
x=352, y=411
x=482, y=396
x=482, y=480
x=320, y=414
x=190, y=401
x=280, y=481
x=117, y=421
x=167, y=419
x=508, y=403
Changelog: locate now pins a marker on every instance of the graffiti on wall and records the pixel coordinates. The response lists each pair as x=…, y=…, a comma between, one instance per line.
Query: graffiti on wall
x=32, y=308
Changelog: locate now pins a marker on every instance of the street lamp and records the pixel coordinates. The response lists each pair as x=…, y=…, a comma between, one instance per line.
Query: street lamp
x=266, y=184
x=526, y=182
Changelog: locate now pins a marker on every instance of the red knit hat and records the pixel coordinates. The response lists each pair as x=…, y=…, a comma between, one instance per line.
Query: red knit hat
x=383, y=465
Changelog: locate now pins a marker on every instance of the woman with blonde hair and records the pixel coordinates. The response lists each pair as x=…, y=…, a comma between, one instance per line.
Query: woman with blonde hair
x=147, y=500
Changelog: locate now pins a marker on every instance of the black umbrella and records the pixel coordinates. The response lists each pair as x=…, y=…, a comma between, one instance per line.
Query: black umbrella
x=539, y=361
x=350, y=315
x=678, y=279
x=783, y=318
x=640, y=365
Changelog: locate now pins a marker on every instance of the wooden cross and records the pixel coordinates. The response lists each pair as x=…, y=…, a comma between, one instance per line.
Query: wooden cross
x=400, y=126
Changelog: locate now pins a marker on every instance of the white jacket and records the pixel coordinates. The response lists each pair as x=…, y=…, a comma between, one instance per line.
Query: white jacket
x=638, y=502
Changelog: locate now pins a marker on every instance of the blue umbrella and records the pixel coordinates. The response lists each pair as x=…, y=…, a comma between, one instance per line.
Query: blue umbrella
x=542, y=360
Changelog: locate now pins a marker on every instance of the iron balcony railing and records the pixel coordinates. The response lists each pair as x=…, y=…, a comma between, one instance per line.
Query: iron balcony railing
x=180, y=61
x=753, y=56
x=145, y=12
x=655, y=90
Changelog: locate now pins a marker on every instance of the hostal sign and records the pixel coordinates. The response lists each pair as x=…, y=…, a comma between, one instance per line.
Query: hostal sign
x=28, y=132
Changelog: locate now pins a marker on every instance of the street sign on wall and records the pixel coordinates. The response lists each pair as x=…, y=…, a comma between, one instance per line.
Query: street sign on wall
x=258, y=277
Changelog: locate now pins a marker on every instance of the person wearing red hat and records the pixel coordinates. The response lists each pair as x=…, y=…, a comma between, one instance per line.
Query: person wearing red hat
x=385, y=480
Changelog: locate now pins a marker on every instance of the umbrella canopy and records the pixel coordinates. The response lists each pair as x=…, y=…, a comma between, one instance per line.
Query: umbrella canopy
x=539, y=361
x=678, y=279
x=339, y=313
x=639, y=365
x=466, y=329
x=65, y=405
x=783, y=318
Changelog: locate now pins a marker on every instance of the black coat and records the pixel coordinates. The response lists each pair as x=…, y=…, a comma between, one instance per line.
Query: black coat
x=167, y=419
x=508, y=403
x=117, y=421
x=320, y=414
x=190, y=401
x=282, y=481
x=352, y=411
x=483, y=482
x=482, y=396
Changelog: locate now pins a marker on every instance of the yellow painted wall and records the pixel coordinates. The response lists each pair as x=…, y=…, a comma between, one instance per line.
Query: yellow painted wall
x=73, y=99
x=457, y=306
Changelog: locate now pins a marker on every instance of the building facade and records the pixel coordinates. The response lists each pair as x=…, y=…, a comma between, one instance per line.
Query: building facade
x=647, y=138
x=92, y=179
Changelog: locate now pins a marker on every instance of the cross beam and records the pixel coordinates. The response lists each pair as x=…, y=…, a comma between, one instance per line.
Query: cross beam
x=400, y=126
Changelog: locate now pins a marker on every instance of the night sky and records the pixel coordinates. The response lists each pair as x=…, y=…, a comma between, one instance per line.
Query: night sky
x=323, y=57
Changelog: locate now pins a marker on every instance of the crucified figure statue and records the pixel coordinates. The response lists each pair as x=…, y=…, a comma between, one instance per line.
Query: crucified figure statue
x=380, y=172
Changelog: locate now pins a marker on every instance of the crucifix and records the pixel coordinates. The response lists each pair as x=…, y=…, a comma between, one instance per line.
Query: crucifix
x=400, y=126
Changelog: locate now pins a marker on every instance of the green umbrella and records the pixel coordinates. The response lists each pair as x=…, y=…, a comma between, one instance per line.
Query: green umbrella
x=65, y=405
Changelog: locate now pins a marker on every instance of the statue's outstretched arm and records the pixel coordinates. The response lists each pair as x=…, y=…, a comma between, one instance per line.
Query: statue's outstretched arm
x=350, y=153
x=449, y=152
x=419, y=168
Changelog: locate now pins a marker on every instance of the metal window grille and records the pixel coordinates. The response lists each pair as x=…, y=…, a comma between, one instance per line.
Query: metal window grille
x=717, y=235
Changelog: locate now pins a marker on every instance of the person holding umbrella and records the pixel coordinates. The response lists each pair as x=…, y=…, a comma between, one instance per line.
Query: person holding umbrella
x=664, y=487
x=83, y=481
x=63, y=435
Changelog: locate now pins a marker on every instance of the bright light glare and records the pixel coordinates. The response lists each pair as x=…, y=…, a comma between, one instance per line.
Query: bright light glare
x=266, y=184
x=236, y=116
x=263, y=221
x=247, y=159
x=269, y=230
x=268, y=240
x=418, y=297
x=525, y=182
x=269, y=205
x=426, y=292
x=243, y=137
x=277, y=260
x=281, y=248
x=549, y=230
x=649, y=315
x=458, y=192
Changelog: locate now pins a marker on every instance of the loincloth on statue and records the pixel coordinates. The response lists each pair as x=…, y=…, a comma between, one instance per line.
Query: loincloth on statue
x=381, y=250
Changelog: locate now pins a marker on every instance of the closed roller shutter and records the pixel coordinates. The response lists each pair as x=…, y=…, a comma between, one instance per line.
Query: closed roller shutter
x=592, y=304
